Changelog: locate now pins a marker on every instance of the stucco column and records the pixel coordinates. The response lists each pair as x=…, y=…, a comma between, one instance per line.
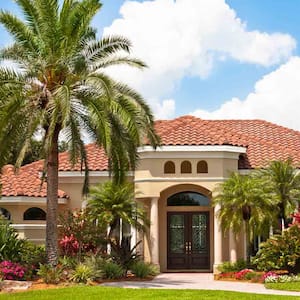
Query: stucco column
x=154, y=233
x=217, y=241
x=232, y=247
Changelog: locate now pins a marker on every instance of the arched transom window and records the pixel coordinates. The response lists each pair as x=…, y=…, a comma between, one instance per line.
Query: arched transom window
x=188, y=199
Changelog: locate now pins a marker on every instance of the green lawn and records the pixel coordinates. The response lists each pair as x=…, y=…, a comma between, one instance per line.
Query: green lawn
x=88, y=293
x=286, y=286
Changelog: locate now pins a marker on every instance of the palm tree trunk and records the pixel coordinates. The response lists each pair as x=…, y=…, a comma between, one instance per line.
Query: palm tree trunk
x=52, y=202
x=247, y=233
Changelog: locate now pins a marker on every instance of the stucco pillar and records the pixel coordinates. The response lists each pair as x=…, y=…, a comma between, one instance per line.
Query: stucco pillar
x=217, y=241
x=232, y=247
x=154, y=232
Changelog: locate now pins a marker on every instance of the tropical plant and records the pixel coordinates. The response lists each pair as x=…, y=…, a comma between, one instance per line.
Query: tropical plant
x=84, y=273
x=122, y=254
x=280, y=251
x=60, y=87
x=142, y=270
x=112, y=270
x=243, y=204
x=50, y=274
x=11, y=246
x=80, y=234
x=111, y=202
x=228, y=266
x=283, y=182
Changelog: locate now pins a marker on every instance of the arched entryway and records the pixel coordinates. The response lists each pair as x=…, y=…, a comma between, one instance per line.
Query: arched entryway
x=186, y=229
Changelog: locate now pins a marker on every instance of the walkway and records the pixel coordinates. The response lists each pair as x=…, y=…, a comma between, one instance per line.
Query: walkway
x=201, y=281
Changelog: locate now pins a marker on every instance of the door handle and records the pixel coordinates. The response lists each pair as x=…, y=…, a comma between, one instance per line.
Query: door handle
x=186, y=247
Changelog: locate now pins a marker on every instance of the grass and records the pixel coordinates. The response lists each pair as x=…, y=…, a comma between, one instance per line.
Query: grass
x=284, y=286
x=89, y=293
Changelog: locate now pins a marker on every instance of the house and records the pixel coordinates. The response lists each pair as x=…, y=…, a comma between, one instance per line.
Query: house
x=175, y=184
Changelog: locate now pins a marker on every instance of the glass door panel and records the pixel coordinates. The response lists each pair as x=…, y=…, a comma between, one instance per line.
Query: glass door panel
x=176, y=231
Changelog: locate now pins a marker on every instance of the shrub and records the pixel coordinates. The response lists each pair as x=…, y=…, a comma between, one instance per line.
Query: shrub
x=50, y=274
x=12, y=271
x=141, y=269
x=83, y=274
x=242, y=274
x=280, y=252
x=79, y=234
x=232, y=267
x=11, y=246
x=112, y=270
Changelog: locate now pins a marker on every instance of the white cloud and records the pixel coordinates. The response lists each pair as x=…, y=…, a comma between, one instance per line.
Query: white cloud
x=276, y=98
x=163, y=110
x=186, y=38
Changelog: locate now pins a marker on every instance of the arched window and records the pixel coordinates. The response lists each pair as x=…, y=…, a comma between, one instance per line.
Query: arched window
x=169, y=167
x=186, y=167
x=5, y=213
x=202, y=167
x=34, y=213
x=188, y=199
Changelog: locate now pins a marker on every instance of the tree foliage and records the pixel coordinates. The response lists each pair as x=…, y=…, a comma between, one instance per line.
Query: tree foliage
x=111, y=202
x=282, y=180
x=243, y=205
x=61, y=87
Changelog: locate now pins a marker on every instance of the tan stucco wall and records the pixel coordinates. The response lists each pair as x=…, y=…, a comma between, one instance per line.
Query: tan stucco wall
x=150, y=181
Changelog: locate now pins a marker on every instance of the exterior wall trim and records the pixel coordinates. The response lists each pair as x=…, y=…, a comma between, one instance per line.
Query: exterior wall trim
x=72, y=174
x=28, y=226
x=7, y=200
x=187, y=180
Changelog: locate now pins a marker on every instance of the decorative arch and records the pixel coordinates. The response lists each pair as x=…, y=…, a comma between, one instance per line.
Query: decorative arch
x=186, y=167
x=34, y=213
x=202, y=166
x=169, y=167
x=5, y=213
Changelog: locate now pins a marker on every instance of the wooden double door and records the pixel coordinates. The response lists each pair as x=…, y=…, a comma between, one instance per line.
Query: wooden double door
x=188, y=240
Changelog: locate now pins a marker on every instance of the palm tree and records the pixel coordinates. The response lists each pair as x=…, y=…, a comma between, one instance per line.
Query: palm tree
x=60, y=88
x=283, y=182
x=111, y=202
x=243, y=204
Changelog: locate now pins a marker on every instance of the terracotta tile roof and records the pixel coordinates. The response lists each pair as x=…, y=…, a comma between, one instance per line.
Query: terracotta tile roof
x=264, y=142
x=24, y=182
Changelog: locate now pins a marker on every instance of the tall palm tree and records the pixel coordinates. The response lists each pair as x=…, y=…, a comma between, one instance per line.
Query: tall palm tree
x=111, y=202
x=283, y=182
x=60, y=87
x=243, y=204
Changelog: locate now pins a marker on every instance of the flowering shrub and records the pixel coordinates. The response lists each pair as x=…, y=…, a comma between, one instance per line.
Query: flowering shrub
x=11, y=270
x=69, y=245
x=242, y=274
x=281, y=278
x=79, y=234
x=269, y=274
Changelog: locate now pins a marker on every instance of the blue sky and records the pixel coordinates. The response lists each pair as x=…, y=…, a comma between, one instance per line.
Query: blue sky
x=210, y=58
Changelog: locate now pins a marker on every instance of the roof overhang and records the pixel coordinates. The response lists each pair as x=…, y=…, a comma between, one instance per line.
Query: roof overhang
x=194, y=151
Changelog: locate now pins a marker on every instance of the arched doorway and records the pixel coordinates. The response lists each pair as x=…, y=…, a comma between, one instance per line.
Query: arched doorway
x=188, y=233
x=186, y=243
